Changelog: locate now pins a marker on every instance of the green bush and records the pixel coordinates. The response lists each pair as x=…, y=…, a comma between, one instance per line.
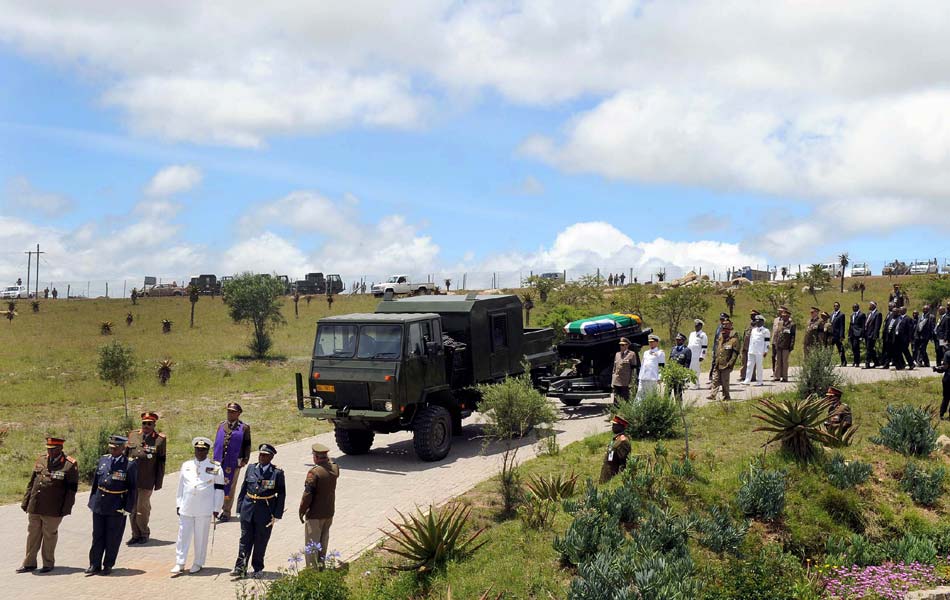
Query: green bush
x=846, y=474
x=309, y=584
x=628, y=575
x=819, y=371
x=622, y=503
x=513, y=407
x=537, y=513
x=654, y=417
x=590, y=532
x=761, y=493
x=910, y=549
x=923, y=486
x=769, y=574
x=843, y=507
x=720, y=532
x=853, y=550
x=909, y=430
x=92, y=446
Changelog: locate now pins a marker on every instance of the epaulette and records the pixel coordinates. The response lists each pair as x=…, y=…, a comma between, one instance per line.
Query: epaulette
x=162, y=435
x=72, y=460
x=216, y=462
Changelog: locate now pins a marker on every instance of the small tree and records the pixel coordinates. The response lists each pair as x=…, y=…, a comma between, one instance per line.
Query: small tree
x=296, y=302
x=193, y=298
x=166, y=326
x=631, y=299
x=116, y=366
x=255, y=299
x=679, y=303
x=773, y=295
x=675, y=377
x=844, y=261
x=934, y=290
x=815, y=278
x=10, y=314
x=105, y=328
x=164, y=371
x=129, y=319
x=542, y=285
x=36, y=306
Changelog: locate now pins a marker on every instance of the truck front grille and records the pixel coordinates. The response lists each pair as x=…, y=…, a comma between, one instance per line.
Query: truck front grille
x=353, y=395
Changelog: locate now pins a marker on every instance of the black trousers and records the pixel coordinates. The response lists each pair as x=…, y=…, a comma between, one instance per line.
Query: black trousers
x=621, y=393
x=856, y=350
x=946, y=395
x=107, y=531
x=871, y=352
x=920, y=353
x=840, y=346
x=906, y=356
x=887, y=353
x=254, y=537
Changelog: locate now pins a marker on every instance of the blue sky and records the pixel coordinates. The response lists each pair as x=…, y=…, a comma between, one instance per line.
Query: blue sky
x=462, y=141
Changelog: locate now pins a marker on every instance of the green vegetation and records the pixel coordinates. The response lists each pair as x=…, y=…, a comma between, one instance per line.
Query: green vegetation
x=844, y=474
x=116, y=366
x=819, y=372
x=924, y=485
x=762, y=493
x=255, y=299
x=909, y=430
x=427, y=540
x=655, y=416
x=797, y=423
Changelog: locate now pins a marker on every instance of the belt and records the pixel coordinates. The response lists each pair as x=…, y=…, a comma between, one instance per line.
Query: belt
x=253, y=497
x=112, y=492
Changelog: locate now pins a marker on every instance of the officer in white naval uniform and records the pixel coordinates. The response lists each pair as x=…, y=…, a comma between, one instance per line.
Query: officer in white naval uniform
x=759, y=339
x=697, y=344
x=200, y=498
x=652, y=360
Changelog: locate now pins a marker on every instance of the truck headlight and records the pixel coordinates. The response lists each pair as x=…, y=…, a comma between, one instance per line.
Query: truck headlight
x=388, y=406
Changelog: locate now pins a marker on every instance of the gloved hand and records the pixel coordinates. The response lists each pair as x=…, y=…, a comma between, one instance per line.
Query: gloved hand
x=177, y=511
x=303, y=518
x=123, y=512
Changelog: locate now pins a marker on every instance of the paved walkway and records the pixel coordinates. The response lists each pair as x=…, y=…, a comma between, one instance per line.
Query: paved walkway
x=371, y=488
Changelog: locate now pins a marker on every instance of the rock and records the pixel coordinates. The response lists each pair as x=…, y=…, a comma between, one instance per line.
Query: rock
x=941, y=593
x=943, y=442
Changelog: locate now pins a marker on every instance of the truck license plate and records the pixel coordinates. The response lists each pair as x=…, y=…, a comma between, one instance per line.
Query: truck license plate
x=325, y=388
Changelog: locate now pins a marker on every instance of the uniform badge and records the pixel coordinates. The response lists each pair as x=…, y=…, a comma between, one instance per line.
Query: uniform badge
x=57, y=475
x=269, y=484
x=149, y=456
x=212, y=470
x=118, y=475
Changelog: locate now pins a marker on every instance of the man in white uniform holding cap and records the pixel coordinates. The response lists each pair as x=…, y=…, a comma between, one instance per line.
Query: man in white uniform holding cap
x=759, y=339
x=652, y=360
x=697, y=344
x=200, y=498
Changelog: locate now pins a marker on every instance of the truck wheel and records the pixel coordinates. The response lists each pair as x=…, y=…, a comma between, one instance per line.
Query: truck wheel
x=571, y=401
x=432, y=433
x=354, y=441
x=423, y=291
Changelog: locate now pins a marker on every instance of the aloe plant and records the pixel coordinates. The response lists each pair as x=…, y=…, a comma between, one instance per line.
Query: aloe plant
x=166, y=326
x=36, y=306
x=10, y=314
x=164, y=371
x=798, y=424
x=554, y=487
x=428, y=540
x=105, y=328
x=129, y=319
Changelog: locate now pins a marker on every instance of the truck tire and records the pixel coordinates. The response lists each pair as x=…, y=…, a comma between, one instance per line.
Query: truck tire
x=432, y=433
x=354, y=441
x=423, y=291
x=571, y=401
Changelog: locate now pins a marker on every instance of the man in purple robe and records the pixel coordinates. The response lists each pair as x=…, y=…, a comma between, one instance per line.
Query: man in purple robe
x=232, y=449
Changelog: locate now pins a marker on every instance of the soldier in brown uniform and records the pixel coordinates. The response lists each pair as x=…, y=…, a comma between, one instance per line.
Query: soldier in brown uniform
x=626, y=367
x=812, y=331
x=723, y=362
x=825, y=335
x=840, y=418
x=745, y=345
x=319, y=503
x=784, y=344
x=617, y=451
x=147, y=447
x=49, y=497
x=776, y=324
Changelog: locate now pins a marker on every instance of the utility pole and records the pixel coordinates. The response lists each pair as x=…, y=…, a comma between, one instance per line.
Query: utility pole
x=29, y=269
x=36, y=294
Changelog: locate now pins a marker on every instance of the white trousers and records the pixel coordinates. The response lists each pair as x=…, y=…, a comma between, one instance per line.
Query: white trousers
x=753, y=367
x=694, y=362
x=645, y=387
x=188, y=527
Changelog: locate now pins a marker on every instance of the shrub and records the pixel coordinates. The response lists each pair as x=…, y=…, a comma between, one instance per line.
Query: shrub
x=427, y=541
x=853, y=550
x=537, y=512
x=911, y=549
x=255, y=299
x=652, y=417
x=846, y=474
x=627, y=575
x=93, y=447
x=797, y=423
x=923, y=486
x=116, y=365
x=591, y=531
x=720, y=532
x=909, y=430
x=509, y=482
x=309, y=583
x=762, y=493
x=514, y=407
x=622, y=503
x=553, y=487
x=818, y=372
x=770, y=573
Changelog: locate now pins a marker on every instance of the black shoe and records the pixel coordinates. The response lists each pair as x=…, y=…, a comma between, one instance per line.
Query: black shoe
x=25, y=569
x=257, y=574
x=133, y=541
x=224, y=518
x=92, y=570
x=46, y=569
x=237, y=573
x=106, y=571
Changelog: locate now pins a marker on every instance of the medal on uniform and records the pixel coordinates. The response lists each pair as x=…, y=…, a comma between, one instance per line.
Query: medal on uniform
x=118, y=475
x=269, y=484
x=610, y=456
x=210, y=470
x=148, y=456
x=57, y=475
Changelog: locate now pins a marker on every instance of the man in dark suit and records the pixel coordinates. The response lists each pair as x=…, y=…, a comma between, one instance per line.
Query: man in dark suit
x=111, y=500
x=893, y=333
x=942, y=332
x=887, y=346
x=906, y=337
x=923, y=333
x=872, y=331
x=856, y=332
x=837, y=332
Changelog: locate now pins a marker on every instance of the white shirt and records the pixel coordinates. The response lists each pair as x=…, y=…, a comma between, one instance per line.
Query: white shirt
x=197, y=495
x=759, y=339
x=650, y=364
x=698, y=341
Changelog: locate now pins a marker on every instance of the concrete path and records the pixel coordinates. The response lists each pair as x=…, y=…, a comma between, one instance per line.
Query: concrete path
x=370, y=490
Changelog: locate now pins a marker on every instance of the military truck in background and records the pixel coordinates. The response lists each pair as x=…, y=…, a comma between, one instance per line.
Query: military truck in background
x=316, y=283
x=412, y=365
x=400, y=285
x=207, y=285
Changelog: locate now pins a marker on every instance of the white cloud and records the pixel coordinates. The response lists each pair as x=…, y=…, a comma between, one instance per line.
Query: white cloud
x=265, y=253
x=173, y=180
x=20, y=195
x=529, y=186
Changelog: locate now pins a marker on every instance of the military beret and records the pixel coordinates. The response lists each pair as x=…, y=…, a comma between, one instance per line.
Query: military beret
x=201, y=442
x=815, y=308
x=833, y=391
x=619, y=421
x=117, y=440
x=235, y=406
x=320, y=448
x=54, y=442
x=625, y=341
x=267, y=449
x=149, y=416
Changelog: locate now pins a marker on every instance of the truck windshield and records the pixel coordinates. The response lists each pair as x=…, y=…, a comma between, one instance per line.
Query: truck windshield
x=361, y=341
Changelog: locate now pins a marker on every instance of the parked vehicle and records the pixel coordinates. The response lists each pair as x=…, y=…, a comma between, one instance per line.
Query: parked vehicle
x=316, y=283
x=557, y=277
x=14, y=291
x=924, y=267
x=752, y=274
x=946, y=267
x=412, y=365
x=833, y=268
x=860, y=269
x=400, y=285
x=895, y=268
x=207, y=285
x=165, y=289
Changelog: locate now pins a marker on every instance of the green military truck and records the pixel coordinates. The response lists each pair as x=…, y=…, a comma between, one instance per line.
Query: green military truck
x=412, y=365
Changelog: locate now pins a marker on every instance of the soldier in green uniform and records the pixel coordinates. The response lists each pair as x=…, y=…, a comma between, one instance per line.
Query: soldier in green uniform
x=49, y=497
x=147, y=447
x=812, y=331
x=839, y=413
x=724, y=360
x=617, y=451
x=784, y=341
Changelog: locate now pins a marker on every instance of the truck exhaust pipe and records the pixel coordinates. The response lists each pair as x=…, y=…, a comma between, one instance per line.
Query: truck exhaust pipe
x=299, y=379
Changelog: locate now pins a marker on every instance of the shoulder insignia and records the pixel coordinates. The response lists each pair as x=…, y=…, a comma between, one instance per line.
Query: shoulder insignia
x=162, y=435
x=71, y=459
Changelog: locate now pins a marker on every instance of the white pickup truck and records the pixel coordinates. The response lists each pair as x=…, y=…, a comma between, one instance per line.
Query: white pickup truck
x=860, y=269
x=400, y=284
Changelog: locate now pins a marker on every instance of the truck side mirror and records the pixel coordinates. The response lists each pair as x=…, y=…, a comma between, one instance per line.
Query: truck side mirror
x=433, y=348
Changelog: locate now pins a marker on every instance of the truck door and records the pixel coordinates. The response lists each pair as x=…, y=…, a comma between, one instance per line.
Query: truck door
x=435, y=356
x=414, y=373
x=500, y=344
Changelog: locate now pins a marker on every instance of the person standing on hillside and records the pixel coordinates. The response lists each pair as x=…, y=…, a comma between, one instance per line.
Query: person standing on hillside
x=724, y=360
x=856, y=333
x=232, y=449
x=784, y=344
x=49, y=497
x=147, y=447
x=745, y=345
x=898, y=297
x=318, y=504
x=698, y=343
x=837, y=332
x=626, y=363
x=759, y=339
x=651, y=362
x=812, y=331
x=872, y=331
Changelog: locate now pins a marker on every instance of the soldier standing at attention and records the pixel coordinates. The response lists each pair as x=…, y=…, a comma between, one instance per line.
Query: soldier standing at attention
x=319, y=503
x=837, y=333
x=923, y=333
x=232, y=449
x=776, y=327
x=626, y=362
x=147, y=447
x=49, y=497
x=724, y=360
x=698, y=343
x=653, y=361
x=712, y=368
x=112, y=498
x=812, y=331
x=260, y=506
x=743, y=366
x=199, y=499
x=617, y=451
x=757, y=348
x=784, y=344
x=825, y=333
x=942, y=332
x=944, y=367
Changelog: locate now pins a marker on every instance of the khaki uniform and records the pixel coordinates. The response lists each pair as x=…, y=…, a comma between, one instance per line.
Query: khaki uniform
x=842, y=421
x=813, y=335
x=49, y=497
x=149, y=454
x=784, y=344
x=776, y=325
x=317, y=507
x=626, y=367
x=616, y=458
x=825, y=334
x=723, y=363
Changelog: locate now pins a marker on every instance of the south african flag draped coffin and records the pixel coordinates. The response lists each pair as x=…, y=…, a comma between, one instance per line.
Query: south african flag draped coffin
x=601, y=324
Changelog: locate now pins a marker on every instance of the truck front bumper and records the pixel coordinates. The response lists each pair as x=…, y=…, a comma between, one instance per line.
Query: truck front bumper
x=343, y=414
